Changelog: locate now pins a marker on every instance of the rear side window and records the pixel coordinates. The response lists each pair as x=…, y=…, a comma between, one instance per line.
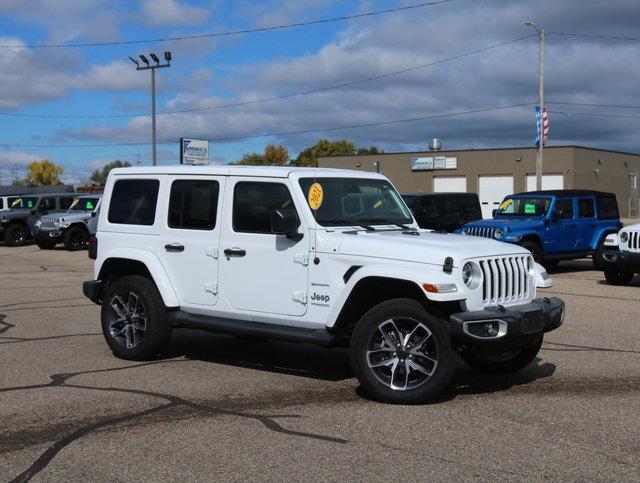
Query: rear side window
x=193, y=204
x=1, y=203
x=564, y=209
x=133, y=202
x=586, y=208
x=468, y=206
x=608, y=208
x=253, y=204
x=48, y=204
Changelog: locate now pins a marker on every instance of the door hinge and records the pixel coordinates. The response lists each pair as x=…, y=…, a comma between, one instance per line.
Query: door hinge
x=299, y=296
x=302, y=259
x=211, y=288
x=211, y=252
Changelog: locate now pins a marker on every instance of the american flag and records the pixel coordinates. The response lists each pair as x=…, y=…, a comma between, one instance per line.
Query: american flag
x=542, y=121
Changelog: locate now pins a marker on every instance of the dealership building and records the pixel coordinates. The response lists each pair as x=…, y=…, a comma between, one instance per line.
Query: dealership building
x=495, y=173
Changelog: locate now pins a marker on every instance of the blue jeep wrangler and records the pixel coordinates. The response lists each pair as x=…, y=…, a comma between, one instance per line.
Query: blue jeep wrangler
x=553, y=225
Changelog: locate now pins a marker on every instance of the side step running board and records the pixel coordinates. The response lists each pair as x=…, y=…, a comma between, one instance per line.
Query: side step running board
x=252, y=329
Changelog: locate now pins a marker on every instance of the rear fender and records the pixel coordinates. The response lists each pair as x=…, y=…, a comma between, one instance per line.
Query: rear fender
x=153, y=265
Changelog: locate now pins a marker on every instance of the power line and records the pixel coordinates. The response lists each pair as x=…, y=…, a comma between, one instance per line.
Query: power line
x=585, y=104
x=595, y=36
x=284, y=96
x=285, y=133
x=596, y=114
x=232, y=32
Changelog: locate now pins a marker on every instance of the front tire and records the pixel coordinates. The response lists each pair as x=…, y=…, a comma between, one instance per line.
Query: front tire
x=134, y=318
x=506, y=363
x=402, y=354
x=15, y=235
x=616, y=277
x=75, y=238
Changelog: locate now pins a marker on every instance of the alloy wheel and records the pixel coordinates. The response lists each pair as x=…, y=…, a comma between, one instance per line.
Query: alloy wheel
x=128, y=320
x=402, y=354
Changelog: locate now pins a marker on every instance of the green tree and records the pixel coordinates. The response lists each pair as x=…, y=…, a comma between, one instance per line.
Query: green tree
x=100, y=176
x=371, y=150
x=324, y=147
x=41, y=173
x=250, y=159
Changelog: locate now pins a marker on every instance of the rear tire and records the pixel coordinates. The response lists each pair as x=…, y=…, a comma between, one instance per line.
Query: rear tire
x=402, y=354
x=507, y=363
x=15, y=235
x=134, y=318
x=75, y=238
x=616, y=277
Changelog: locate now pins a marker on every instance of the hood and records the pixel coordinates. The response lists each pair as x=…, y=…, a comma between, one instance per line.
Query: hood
x=424, y=247
x=15, y=214
x=68, y=215
x=517, y=222
x=635, y=227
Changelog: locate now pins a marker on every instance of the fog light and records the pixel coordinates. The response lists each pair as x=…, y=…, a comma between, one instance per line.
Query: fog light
x=486, y=329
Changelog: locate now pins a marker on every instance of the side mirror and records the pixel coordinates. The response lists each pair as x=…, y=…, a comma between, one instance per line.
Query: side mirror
x=33, y=212
x=284, y=222
x=93, y=214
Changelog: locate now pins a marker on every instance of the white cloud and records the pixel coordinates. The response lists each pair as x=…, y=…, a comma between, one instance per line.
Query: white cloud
x=162, y=13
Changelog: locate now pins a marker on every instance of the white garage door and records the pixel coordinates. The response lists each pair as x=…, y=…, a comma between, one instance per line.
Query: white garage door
x=450, y=184
x=549, y=182
x=492, y=190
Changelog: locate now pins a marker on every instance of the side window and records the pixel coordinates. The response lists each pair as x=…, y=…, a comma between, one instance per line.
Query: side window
x=65, y=203
x=253, y=203
x=193, y=204
x=133, y=201
x=586, y=208
x=608, y=208
x=428, y=207
x=47, y=204
x=563, y=209
x=1, y=203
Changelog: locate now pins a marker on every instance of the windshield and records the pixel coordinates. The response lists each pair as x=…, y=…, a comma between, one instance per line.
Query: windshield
x=84, y=204
x=354, y=201
x=533, y=206
x=24, y=203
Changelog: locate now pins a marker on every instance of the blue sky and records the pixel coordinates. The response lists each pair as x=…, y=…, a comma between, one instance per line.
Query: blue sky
x=208, y=72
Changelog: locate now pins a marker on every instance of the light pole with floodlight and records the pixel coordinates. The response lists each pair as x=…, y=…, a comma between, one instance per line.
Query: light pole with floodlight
x=152, y=67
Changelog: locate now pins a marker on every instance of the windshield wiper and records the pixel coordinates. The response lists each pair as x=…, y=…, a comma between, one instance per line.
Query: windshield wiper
x=338, y=222
x=386, y=222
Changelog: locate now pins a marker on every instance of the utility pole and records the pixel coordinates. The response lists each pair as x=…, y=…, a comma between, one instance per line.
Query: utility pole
x=148, y=66
x=540, y=153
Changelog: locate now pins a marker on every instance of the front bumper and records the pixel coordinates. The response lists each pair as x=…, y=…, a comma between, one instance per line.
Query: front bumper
x=93, y=290
x=518, y=325
x=626, y=262
x=45, y=235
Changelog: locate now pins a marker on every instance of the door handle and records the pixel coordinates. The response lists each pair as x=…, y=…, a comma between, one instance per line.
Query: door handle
x=174, y=247
x=235, y=252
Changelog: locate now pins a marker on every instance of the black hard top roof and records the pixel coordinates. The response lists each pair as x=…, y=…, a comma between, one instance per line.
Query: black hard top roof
x=568, y=193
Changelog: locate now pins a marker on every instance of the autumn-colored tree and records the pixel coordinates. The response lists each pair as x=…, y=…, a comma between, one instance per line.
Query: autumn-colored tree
x=275, y=155
x=250, y=159
x=100, y=176
x=40, y=173
x=324, y=147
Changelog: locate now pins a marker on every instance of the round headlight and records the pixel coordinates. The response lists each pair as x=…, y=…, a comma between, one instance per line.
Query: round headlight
x=465, y=231
x=624, y=237
x=499, y=233
x=471, y=275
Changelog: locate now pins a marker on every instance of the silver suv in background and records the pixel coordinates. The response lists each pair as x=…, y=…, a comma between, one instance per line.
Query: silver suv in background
x=72, y=228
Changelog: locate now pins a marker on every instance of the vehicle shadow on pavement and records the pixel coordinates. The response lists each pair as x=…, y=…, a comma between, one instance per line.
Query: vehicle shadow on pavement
x=306, y=360
x=571, y=266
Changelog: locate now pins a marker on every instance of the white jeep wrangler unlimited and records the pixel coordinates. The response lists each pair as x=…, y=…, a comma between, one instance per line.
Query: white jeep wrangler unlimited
x=622, y=255
x=322, y=256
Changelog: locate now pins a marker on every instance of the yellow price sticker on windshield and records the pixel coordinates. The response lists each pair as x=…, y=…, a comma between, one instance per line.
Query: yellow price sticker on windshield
x=316, y=195
x=377, y=204
x=506, y=203
x=75, y=202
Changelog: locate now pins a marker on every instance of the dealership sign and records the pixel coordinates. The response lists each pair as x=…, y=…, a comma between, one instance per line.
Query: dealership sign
x=194, y=151
x=430, y=163
x=421, y=164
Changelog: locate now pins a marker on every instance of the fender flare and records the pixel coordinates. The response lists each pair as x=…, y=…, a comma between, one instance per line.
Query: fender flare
x=153, y=264
x=601, y=235
x=430, y=274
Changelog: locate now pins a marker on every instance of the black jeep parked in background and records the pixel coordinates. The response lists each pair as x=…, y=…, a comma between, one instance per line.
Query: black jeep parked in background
x=16, y=224
x=443, y=211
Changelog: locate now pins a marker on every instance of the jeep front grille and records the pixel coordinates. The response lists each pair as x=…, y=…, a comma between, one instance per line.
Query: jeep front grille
x=481, y=231
x=506, y=279
x=634, y=241
x=47, y=224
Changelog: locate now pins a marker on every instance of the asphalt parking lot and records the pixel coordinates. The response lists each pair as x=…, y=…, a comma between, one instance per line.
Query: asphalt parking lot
x=217, y=407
